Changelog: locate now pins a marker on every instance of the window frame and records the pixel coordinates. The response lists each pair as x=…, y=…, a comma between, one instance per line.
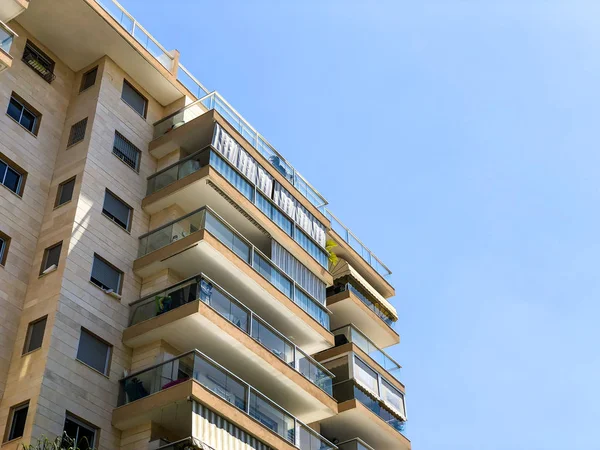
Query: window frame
x=121, y=274
x=26, y=349
x=47, y=250
x=31, y=47
x=59, y=191
x=111, y=216
x=5, y=238
x=84, y=424
x=109, y=353
x=82, y=85
x=130, y=85
x=138, y=162
x=25, y=106
x=11, y=419
x=15, y=168
x=72, y=135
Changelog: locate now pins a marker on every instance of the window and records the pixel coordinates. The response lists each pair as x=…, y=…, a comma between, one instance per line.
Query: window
x=16, y=421
x=23, y=113
x=117, y=210
x=65, y=192
x=94, y=352
x=51, y=258
x=4, y=244
x=88, y=79
x=39, y=62
x=105, y=275
x=77, y=132
x=126, y=151
x=82, y=434
x=133, y=98
x=35, y=335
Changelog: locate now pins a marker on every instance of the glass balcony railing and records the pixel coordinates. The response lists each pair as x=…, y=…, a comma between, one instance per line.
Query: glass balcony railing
x=206, y=219
x=348, y=390
x=354, y=444
x=349, y=333
x=145, y=39
x=219, y=104
x=221, y=382
x=208, y=156
x=347, y=284
x=344, y=232
x=202, y=288
x=6, y=38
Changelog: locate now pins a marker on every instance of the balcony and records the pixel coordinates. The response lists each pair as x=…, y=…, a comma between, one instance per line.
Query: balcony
x=164, y=189
x=203, y=239
x=350, y=334
x=7, y=37
x=369, y=404
x=350, y=302
x=191, y=443
x=222, y=391
x=354, y=444
x=198, y=313
x=9, y=9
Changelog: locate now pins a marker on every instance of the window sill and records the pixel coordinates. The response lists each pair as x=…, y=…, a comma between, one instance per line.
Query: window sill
x=13, y=119
x=31, y=351
x=62, y=204
x=120, y=227
x=48, y=273
x=103, y=291
x=68, y=147
x=134, y=110
x=12, y=441
x=92, y=368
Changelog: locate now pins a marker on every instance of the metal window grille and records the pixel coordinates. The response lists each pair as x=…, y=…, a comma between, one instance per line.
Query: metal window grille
x=77, y=132
x=88, y=79
x=126, y=151
x=41, y=63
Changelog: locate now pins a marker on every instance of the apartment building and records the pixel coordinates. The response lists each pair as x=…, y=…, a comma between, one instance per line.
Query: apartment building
x=167, y=278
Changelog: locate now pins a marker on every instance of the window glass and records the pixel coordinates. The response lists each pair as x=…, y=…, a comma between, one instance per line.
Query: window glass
x=105, y=276
x=17, y=419
x=65, y=192
x=23, y=113
x=51, y=256
x=88, y=79
x=134, y=99
x=11, y=177
x=83, y=435
x=35, y=335
x=117, y=210
x=93, y=352
x=126, y=151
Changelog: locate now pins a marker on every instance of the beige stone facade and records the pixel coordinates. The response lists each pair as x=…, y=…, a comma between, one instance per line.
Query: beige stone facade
x=52, y=378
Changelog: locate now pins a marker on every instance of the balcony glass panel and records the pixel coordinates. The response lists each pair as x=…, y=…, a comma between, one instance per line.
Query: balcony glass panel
x=203, y=288
x=272, y=417
x=366, y=376
x=392, y=397
x=354, y=444
x=172, y=232
x=272, y=274
x=176, y=172
x=6, y=38
x=311, y=441
x=220, y=382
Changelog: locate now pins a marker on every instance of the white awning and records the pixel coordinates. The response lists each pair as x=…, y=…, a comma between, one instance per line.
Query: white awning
x=343, y=268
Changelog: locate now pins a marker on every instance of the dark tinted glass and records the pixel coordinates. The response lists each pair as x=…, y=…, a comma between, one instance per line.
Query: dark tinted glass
x=126, y=151
x=116, y=210
x=84, y=436
x=105, y=275
x=17, y=424
x=89, y=79
x=35, y=335
x=14, y=109
x=11, y=180
x=52, y=256
x=28, y=120
x=65, y=192
x=134, y=99
x=93, y=352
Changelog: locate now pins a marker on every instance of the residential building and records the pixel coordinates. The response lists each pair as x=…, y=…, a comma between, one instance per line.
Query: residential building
x=165, y=279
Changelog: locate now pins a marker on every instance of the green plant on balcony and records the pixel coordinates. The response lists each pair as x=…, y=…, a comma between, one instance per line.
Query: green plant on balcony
x=332, y=257
x=60, y=443
x=163, y=304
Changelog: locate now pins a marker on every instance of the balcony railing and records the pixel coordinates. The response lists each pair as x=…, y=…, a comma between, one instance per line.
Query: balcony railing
x=39, y=63
x=130, y=25
x=209, y=157
x=344, y=232
x=219, y=104
x=348, y=390
x=6, y=38
x=223, y=383
x=349, y=333
x=202, y=288
x=354, y=444
x=346, y=284
x=206, y=219
x=189, y=443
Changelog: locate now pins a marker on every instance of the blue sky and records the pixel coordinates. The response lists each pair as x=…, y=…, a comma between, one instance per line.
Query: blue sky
x=459, y=140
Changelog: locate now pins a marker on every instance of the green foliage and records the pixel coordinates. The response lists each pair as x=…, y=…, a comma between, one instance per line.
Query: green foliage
x=60, y=443
x=333, y=259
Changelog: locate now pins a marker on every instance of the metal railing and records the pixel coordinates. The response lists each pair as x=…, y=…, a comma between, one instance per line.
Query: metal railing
x=206, y=219
x=202, y=288
x=132, y=26
x=349, y=390
x=189, y=443
x=344, y=232
x=346, y=284
x=6, y=37
x=209, y=157
x=226, y=385
x=354, y=335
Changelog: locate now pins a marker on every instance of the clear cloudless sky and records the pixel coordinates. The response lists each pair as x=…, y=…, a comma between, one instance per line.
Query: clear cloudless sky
x=459, y=140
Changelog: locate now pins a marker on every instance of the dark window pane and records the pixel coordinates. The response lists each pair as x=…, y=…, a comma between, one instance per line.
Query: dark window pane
x=41, y=63
x=93, y=352
x=11, y=180
x=52, y=256
x=28, y=120
x=105, y=275
x=134, y=99
x=14, y=109
x=116, y=210
x=65, y=192
x=2, y=246
x=89, y=79
x=77, y=132
x=126, y=151
x=17, y=424
x=70, y=430
x=35, y=335
x=85, y=438
x=82, y=436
